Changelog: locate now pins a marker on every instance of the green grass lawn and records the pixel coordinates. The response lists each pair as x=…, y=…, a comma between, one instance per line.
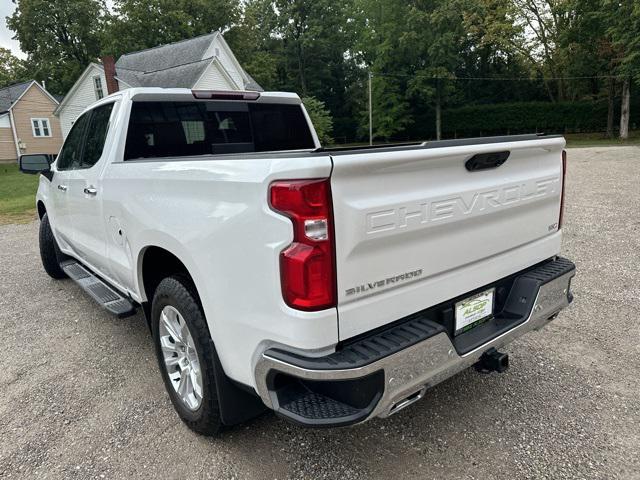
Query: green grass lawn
x=17, y=195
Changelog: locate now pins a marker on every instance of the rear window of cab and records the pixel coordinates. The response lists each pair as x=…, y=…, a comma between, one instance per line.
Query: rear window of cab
x=179, y=129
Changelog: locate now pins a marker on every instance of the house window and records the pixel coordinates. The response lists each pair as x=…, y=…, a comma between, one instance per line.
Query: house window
x=40, y=127
x=97, y=86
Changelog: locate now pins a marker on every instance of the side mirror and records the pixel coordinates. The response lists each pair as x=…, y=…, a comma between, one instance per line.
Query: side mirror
x=36, y=163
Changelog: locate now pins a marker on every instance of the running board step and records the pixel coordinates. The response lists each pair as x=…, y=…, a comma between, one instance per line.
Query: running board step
x=110, y=299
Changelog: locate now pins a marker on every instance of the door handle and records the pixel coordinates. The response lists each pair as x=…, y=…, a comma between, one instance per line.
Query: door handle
x=90, y=190
x=62, y=187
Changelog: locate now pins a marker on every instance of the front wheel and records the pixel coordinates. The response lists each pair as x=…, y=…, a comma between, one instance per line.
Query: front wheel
x=49, y=252
x=186, y=354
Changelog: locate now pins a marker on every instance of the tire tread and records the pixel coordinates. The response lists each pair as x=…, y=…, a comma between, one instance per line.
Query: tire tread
x=49, y=251
x=180, y=289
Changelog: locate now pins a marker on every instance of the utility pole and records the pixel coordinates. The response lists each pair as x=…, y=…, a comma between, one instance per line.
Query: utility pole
x=370, y=113
x=438, y=110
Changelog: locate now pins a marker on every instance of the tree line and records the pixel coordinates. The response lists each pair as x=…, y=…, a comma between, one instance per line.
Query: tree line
x=427, y=62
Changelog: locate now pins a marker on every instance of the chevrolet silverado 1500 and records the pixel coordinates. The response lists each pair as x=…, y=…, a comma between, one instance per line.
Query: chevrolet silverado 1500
x=329, y=285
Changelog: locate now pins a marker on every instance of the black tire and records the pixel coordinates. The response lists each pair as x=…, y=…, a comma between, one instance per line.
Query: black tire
x=179, y=292
x=50, y=253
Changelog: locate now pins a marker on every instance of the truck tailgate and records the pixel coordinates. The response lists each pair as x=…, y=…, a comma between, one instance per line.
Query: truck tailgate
x=414, y=227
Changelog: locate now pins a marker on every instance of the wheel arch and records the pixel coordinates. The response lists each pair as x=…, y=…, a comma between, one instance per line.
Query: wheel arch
x=156, y=263
x=41, y=209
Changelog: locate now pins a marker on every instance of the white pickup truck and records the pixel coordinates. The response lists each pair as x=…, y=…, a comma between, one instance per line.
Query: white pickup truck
x=329, y=285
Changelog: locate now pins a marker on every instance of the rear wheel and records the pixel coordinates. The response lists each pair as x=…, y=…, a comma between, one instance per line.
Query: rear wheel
x=186, y=354
x=49, y=252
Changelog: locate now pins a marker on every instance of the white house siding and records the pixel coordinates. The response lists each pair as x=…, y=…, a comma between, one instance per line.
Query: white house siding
x=82, y=97
x=216, y=49
x=213, y=79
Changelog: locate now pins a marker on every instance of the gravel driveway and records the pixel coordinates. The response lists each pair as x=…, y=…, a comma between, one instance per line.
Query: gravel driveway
x=82, y=396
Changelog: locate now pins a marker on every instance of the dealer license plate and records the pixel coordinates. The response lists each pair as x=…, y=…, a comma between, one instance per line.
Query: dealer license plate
x=474, y=310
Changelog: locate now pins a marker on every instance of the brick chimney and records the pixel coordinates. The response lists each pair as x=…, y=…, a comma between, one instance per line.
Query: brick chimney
x=109, y=65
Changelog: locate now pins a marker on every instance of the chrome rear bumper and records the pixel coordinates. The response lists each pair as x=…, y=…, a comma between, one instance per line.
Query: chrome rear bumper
x=408, y=373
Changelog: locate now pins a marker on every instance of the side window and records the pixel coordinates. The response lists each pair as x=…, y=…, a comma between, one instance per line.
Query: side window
x=96, y=135
x=97, y=87
x=70, y=155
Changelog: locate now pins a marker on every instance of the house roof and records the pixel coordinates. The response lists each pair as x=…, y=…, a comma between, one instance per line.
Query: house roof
x=251, y=84
x=178, y=64
x=167, y=56
x=177, y=76
x=9, y=95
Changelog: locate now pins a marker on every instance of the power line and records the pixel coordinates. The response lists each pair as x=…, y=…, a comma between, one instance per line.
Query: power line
x=505, y=79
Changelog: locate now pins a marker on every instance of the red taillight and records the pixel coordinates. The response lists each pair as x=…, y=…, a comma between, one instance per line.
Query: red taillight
x=307, y=271
x=564, y=176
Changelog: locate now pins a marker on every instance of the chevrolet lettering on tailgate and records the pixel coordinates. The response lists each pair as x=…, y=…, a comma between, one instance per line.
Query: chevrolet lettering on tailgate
x=457, y=207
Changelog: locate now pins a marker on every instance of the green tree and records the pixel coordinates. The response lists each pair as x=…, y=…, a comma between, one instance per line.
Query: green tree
x=60, y=38
x=314, y=40
x=542, y=26
x=12, y=69
x=489, y=51
x=571, y=43
x=438, y=37
x=320, y=117
x=380, y=50
x=591, y=53
x=623, y=18
x=254, y=44
x=411, y=50
x=139, y=24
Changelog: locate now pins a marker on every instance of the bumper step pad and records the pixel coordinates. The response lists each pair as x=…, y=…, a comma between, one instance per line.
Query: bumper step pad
x=316, y=406
x=326, y=404
x=109, y=298
x=421, y=326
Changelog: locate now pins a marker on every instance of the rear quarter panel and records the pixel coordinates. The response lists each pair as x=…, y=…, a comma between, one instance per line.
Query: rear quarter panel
x=214, y=216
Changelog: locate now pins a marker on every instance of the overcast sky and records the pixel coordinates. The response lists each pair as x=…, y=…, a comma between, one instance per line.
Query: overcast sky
x=6, y=8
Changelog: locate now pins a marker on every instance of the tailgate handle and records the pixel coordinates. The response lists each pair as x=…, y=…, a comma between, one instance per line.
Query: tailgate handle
x=483, y=161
